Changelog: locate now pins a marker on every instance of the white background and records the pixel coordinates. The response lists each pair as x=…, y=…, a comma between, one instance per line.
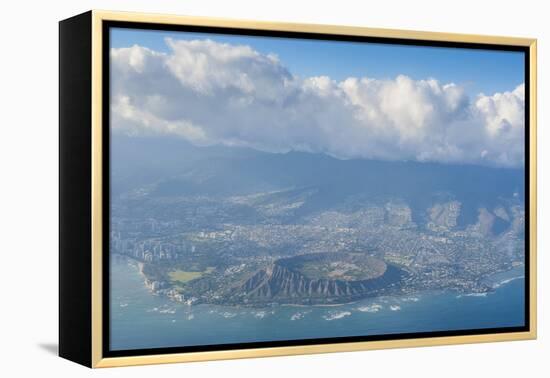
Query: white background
x=29, y=189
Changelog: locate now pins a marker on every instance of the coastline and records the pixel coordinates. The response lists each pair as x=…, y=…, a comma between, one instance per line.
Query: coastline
x=493, y=281
x=141, y=319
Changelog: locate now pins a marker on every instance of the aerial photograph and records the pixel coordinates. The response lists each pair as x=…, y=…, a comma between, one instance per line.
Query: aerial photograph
x=267, y=189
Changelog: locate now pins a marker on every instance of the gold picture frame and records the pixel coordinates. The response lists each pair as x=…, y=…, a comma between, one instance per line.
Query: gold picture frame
x=87, y=32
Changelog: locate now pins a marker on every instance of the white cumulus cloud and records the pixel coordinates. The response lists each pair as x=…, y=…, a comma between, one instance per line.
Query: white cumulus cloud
x=215, y=93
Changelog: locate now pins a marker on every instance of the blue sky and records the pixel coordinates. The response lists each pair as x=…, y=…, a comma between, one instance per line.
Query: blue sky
x=478, y=71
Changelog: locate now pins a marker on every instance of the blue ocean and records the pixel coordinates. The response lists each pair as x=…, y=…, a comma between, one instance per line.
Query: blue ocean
x=141, y=320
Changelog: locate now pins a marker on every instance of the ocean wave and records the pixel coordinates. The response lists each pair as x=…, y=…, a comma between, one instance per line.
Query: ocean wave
x=299, y=315
x=336, y=315
x=473, y=295
x=167, y=311
x=504, y=282
x=395, y=307
x=371, y=308
x=410, y=299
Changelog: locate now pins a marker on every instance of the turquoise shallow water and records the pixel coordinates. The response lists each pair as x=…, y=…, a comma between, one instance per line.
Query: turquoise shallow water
x=141, y=320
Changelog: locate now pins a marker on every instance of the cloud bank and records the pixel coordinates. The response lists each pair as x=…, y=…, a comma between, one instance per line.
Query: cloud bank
x=212, y=93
